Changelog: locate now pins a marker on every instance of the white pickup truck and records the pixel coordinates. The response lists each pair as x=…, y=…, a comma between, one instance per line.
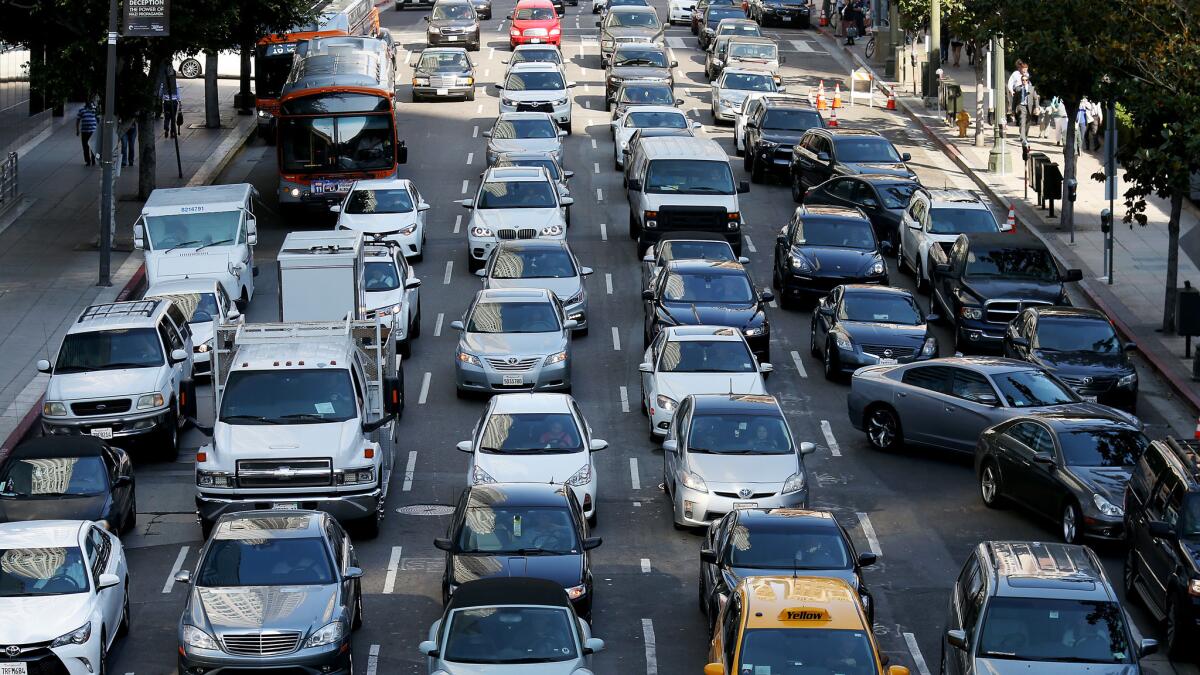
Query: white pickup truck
x=304, y=420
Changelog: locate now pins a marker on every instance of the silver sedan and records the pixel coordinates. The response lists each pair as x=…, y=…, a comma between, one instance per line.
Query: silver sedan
x=542, y=263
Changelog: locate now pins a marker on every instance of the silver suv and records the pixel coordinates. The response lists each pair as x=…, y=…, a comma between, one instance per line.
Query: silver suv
x=931, y=224
x=517, y=202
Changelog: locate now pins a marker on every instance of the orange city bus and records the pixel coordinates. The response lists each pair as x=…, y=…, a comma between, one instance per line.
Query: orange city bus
x=273, y=54
x=336, y=122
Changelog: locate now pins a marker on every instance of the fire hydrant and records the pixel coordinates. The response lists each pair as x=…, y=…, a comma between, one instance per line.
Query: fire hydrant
x=963, y=121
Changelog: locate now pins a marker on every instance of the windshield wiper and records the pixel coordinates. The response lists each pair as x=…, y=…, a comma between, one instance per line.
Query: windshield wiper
x=214, y=243
x=248, y=418
x=125, y=364
x=533, y=550
x=182, y=244
x=310, y=417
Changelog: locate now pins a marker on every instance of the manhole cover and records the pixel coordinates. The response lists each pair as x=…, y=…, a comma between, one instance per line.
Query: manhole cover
x=426, y=510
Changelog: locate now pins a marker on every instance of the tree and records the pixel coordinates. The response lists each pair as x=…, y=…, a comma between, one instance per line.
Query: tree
x=973, y=21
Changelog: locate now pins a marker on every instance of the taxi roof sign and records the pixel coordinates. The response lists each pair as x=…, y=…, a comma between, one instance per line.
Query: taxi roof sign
x=805, y=614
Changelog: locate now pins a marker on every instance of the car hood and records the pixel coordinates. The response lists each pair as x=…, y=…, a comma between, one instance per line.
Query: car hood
x=735, y=95
x=381, y=223
x=103, y=384
x=381, y=299
x=890, y=334
x=735, y=316
x=38, y=619
x=432, y=72
x=745, y=63
x=521, y=468
x=543, y=145
x=452, y=23
x=1014, y=667
x=640, y=73
x=987, y=288
x=512, y=344
x=85, y=507
x=847, y=576
x=564, y=570
x=882, y=168
x=743, y=469
x=782, y=137
x=556, y=668
x=838, y=261
x=1084, y=364
x=632, y=31
x=535, y=95
x=1085, y=408
x=258, y=441
x=254, y=608
x=1108, y=481
x=679, y=385
x=211, y=262
x=564, y=289
x=522, y=24
x=517, y=218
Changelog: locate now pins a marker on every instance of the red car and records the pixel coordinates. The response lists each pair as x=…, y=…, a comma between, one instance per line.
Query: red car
x=534, y=22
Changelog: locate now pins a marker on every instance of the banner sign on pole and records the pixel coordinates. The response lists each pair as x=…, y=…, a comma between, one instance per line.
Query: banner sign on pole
x=146, y=18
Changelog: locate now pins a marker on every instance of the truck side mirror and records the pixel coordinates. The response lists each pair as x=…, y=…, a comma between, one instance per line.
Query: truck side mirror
x=1073, y=275
x=442, y=543
x=43, y=366
x=335, y=208
x=138, y=236
x=957, y=639
x=707, y=555
x=393, y=393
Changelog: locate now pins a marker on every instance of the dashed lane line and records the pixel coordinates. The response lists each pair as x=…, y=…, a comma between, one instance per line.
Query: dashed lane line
x=645, y=566
x=170, y=584
x=651, y=647
x=603, y=232
x=373, y=660
x=466, y=184
x=624, y=400
x=608, y=282
x=596, y=167
x=424, y=388
x=915, y=650
x=389, y=582
x=593, y=144
x=449, y=271
x=599, y=195
x=750, y=244
x=437, y=326
x=830, y=441
x=799, y=364
x=864, y=521
x=676, y=43
x=616, y=339
x=635, y=480
x=470, y=158
x=475, y=132
x=457, y=223
x=410, y=470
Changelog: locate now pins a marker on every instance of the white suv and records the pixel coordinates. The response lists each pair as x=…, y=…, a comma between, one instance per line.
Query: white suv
x=931, y=224
x=515, y=202
x=124, y=370
x=537, y=87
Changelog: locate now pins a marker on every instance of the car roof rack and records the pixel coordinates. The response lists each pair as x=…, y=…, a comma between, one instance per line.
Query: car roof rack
x=116, y=309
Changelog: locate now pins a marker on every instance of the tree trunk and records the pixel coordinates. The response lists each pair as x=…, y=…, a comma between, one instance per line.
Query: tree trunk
x=147, y=161
x=212, y=100
x=1066, y=217
x=246, y=96
x=980, y=98
x=1172, y=261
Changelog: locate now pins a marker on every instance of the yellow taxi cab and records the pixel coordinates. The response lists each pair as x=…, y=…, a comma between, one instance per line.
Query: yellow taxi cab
x=785, y=625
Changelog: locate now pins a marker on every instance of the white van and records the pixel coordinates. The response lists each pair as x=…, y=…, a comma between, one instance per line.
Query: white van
x=681, y=184
x=206, y=231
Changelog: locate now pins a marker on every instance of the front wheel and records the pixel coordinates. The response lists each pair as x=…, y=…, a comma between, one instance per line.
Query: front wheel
x=883, y=429
x=989, y=485
x=797, y=189
x=1071, y=524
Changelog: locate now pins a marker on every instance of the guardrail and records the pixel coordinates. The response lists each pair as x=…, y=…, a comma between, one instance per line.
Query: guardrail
x=8, y=180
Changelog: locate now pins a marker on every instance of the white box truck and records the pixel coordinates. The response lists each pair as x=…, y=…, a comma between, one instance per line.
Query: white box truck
x=206, y=231
x=321, y=276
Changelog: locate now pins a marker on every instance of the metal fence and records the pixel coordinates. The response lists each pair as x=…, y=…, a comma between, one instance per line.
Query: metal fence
x=8, y=181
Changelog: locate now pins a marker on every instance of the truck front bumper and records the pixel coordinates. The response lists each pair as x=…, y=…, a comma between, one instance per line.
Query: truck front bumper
x=121, y=426
x=345, y=506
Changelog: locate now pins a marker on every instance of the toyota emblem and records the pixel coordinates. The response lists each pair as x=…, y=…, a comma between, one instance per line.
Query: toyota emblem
x=744, y=493
x=512, y=360
x=1088, y=380
x=887, y=353
x=12, y=650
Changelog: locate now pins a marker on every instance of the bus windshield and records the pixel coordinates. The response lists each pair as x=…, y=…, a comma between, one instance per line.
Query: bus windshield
x=350, y=143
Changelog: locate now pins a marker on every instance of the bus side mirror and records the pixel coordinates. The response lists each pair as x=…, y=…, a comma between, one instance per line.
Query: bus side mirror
x=402, y=154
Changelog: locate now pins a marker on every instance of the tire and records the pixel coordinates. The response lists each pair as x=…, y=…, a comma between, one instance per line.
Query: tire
x=900, y=262
x=369, y=526
x=472, y=264
x=358, y=612
x=829, y=364
x=747, y=160
x=607, y=104
x=417, y=98
x=634, y=228
x=406, y=347
x=797, y=189
x=883, y=429
x=922, y=285
x=123, y=629
x=756, y=171
x=594, y=518
x=470, y=94
x=1129, y=575
x=1177, y=636
x=190, y=68
x=103, y=667
x=461, y=394
x=812, y=339
x=1070, y=523
x=740, y=152
x=991, y=491
x=206, y=528
x=130, y=520
x=168, y=437
x=415, y=331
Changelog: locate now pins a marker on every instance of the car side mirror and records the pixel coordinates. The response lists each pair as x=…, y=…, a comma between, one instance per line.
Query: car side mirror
x=234, y=314
x=597, y=444
x=183, y=577
x=635, y=185
x=647, y=294
x=765, y=368
x=767, y=295
x=570, y=324
x=597, y=24
x=678, y=101
x=646, y=367
x=782, y=60
x=423, y=206
x=906, y=157
x=481, y=272
x=822, y=156
x=107, y=581
x=867, y=559
x=335, y=208
x=562, y=133
x=393, y=392
x=707, y=555
x=442, y=543
x=1043, y=458
x=428, y=648
x=1160, y=530
x=43, y=366
x=957, y=638
x=825, y=310
x=122, y=481
x=498, y=86
x=942, y=268
x=885, y=248
x=586, y=271
x=467, y=203
x=352, y=573
x=465, y=446
x=571, y=85
x=138, y=236
x=781, y=90
x=1147, y=647
x=988, y=400
x=674, y=64
x=697, y=125
x=457, y=325
x=487, y=134
x=1073, y=275
x=178, y=356
x=932, y=318
x=670, y=445
x=592, y=543
x=1019, y=341
x=743, y=187
x=425, y=19
x=412, y=283
x=807, y=448
x=567, y=201
x=593, y=645
x=402, y=154
x=714, y=669
x=897, y=670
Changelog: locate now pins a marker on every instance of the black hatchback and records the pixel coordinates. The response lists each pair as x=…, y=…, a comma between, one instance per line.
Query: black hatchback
x=823, y=247
x=881, y=196
x=860, y=325
x=822, y=154
x=68, y=478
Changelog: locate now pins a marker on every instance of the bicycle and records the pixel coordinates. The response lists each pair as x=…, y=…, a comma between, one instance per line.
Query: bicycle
x=870, y=48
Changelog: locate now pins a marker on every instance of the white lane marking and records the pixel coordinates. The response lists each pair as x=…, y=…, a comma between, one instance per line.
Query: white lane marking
x=183, y=551
x=635, y=479
x=437, y=326
x=625, y=404
x=475, y=132
x=593, y=144
x=457, y=223
x=864, y=521
x=608, y=282
x=581, y=49
x=471, y=158
x=410, y=470
x=479, y=109
x=830, y=440
x=750, y=244
x=795, y=359
x=915, y=650
x=449, y=271
x=651, y=647
x=587, y=104
x=599, y=195
x=603, y=232
x=616, y=339
x=802, y=46
x=389, y=582
x=637, y=503
x=585, y=87
x=466, y=184
x=676, y=43
x=596, y=167
x=645, y=566
x=487, y=72
x=424, y=388
x=491, y=53
x=373, y=660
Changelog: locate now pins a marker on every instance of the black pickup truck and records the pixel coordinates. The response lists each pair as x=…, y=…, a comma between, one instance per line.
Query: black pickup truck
x=987, y=279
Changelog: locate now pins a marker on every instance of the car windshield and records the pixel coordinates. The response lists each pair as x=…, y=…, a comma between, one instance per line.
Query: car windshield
x=292, y=396
x=745, y=29
x=960, y=221
x=514, y=317
x=1032, y=388
x=788, y=547
x=1102, y=445
x=198, y=307
x=689, y=176
x=735, y=434
x=896, y=195
x=452, y=11
x=444, y=61
x=510, y=635
x=708, y=288
x=42, y=477
x=837, y=233
x=534, y=14
x=1062, y=334
x=640, y=56
x=42, y=571
x=646, y=94
x=372, y=202
x=752, y=51
x=536, y=55
x=791, y=120
x=815, y=650
x=748, y=82
x=1051, y=629
x=546, y=163
x=552, y=263
x=110, y=350
x=866, y=149
x=192, y=230
x=702, y=250
x=658, y=120
x=715, y=14
x=266, y=561
x=530, y=434
x=535, y=80
x=706, y=356
x=633, y=19
x=518, y=530
x=1020, y=263
x=381, y=276
x=521, y=194
x=880, y=308
x=525, y=128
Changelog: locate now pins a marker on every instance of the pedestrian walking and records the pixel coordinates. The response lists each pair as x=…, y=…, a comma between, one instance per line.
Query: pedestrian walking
x=1082, y=117
x=1092, y=136
x=129, y=144
x=971, y=49
x=854, y=18
x=1014, y=81
x=1025, y=100
x=169, y=92
x=86, y=121
x=945, y=46
x=956, y=46
x=1057, y=112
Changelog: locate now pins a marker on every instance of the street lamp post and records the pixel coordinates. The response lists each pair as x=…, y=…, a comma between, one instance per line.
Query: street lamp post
x=889, y=67
x=998, y=158
x=106, y=148
x=935, y=49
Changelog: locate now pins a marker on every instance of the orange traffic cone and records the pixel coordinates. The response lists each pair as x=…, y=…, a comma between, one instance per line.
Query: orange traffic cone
x=1198, y=429
x=1010, y=223
x=837, y=95
x=833, y=119
x=824, y=21
x=821, y=95
x=891, y=102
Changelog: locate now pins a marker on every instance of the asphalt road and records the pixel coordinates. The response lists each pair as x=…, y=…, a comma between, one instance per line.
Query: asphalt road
x=918, y=509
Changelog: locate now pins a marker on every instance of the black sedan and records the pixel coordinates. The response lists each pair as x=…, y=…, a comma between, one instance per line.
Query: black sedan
x=520, y=530
x=882, y=197
x=1081, y=348
x=705, y=292
x=685, y=246
x=823, y=247
x=859, y=325
x=822, y=154
x=69, y=478
x=753, y=542
x=772, y=130
x=1069, y=468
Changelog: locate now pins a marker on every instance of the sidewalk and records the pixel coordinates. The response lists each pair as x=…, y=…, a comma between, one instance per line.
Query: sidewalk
x=48, y=260
x=1135, y=300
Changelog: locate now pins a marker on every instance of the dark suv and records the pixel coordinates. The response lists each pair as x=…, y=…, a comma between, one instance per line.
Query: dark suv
x=1162, y=524
x=774, y=127
x=822, y=154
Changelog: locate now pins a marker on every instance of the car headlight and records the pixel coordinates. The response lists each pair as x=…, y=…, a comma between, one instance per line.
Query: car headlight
x=800, y=263
x=54, y=409
x=755, y=331
x=693, y=481
x=561, y=101
x=508, y=102
x=578, y=297
x=581, y=477
x=843, y=342
x=213, y=478
x=552, y=230
x=409, y=229
x=435, y=30
x=577, y=592
x=146, y=401
x=970, y=312
x=930, y=347
x=877, y=268
x=1106, y=507
x=555, y=31
x=388, y=311
x=1127, y=381
x=420, y=81
x=466, y=81
x=556, y=358
x=666, y=402
x=1194, y=587
x=478, y=231
x=794, y=483
x=469, y=358
x=103, y=522
x=479, y=476
x=328, y=634
x=78, y=636
x=365, y=475
x=203, y=348
x=194, y=637
x=606, y=43
x=265, y=113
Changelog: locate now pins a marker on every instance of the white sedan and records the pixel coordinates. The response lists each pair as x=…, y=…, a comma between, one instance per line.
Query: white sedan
x=64, y=596
x=645, y=117
x=680, y=11
x=206, y=305
x=685, y=360
x=535, y=438
x=391, y=208
x=392, y=294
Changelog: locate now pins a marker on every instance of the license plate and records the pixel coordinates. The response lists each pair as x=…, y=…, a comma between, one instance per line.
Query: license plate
x=328, y=186
x=443, y=92
x=17, y=668
x=99, y=432
x=513, y=380
x=786, y=18
x=283, y=506
x=536, y=40
x=745, y=505
x=1089, y=399
x=452, y=38
x=888, y=362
